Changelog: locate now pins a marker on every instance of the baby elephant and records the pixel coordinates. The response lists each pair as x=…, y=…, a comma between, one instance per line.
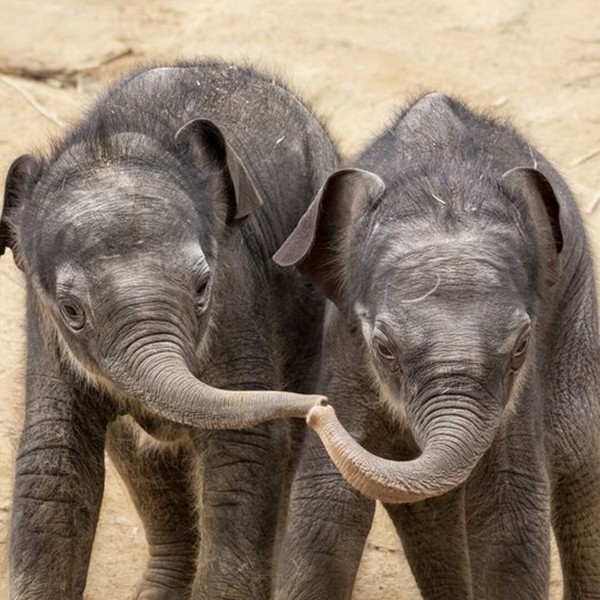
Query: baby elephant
x=462, y=360
x=152, y=302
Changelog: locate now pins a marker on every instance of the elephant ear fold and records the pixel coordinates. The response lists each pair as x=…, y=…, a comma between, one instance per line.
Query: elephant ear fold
x=22, y=176
x=544, y=208
x=317, y=243
x=208, y=146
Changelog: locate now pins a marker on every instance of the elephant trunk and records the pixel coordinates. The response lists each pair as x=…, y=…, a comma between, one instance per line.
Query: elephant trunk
x=165, y=385
x=452, y=444
x=149, y=333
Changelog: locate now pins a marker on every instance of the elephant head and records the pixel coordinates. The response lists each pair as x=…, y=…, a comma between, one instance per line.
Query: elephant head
x=119, y=236
x=443, y=298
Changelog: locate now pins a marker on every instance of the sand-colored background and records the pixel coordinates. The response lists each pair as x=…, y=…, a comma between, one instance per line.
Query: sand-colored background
x=538, y=62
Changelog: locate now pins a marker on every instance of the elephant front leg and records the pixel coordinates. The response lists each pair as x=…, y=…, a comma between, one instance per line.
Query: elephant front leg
x=575, y=452
x=59, y=480
x=327, y=527
x=576, y=521
x=434, y=537
x=242, y=474
x=158, y=478
x=508, y=522
x=576, y=496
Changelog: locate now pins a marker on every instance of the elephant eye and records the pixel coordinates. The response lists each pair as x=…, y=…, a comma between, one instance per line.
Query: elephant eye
x=72, y=313
x=385, y=351
x=519, y=352
x=203, y=295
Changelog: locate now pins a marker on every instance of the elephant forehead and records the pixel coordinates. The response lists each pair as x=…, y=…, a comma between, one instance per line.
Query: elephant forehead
x=460, y=266
x=91, y=232
x=116, y=214
x=110, y=188
x=119, y=210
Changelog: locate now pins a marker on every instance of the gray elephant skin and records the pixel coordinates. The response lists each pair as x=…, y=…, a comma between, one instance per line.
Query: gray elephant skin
x=153, y=307
x=461, y=358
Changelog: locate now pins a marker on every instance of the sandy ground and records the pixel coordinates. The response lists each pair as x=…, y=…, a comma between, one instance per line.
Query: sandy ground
x=538, y=62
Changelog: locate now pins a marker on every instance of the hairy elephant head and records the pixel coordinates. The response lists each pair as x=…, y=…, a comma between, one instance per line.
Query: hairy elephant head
x=443, y=297
x=119, y=237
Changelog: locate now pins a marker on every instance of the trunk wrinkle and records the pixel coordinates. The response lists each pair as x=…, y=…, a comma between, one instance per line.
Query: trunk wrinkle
x=163, y=382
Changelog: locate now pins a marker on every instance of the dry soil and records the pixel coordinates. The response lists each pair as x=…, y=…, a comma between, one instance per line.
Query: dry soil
x=537, y=62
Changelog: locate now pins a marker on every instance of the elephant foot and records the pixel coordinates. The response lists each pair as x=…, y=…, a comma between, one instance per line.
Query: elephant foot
x=146, y=590
x=166, y=580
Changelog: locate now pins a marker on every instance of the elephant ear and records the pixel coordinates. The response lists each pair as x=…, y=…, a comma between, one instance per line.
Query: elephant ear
x=207, y=144
x=544, y=207
x=316, y=244
x=20, y=180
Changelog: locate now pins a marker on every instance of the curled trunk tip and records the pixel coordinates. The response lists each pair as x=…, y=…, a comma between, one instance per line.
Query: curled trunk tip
x=319, y=413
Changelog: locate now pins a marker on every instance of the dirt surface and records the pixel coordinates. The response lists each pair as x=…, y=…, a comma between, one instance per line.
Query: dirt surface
x=537, y=62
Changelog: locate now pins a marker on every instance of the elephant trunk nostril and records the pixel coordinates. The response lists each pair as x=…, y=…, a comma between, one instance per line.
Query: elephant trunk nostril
x=317, y=415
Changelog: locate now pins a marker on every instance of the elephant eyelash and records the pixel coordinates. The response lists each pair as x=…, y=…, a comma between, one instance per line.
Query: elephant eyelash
x=385, y=351
x=520, y=349
x=202, y=294
x=72, y=313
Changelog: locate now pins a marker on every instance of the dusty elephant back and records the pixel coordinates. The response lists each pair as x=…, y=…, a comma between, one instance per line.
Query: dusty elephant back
x=284, y=146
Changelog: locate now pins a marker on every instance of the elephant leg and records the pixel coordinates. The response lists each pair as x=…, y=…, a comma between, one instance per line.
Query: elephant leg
x=576, y=522
x=434, y=537
x=242, y=474
x=507, y=502
x=576, y=492
x=59, y=481
x=573, y=440
x=158, y=478
x=327, y=527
